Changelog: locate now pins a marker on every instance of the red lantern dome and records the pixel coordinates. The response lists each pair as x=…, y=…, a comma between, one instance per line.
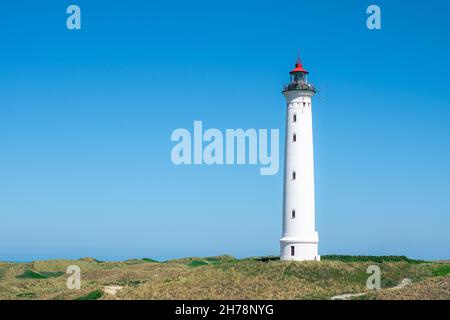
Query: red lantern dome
x=298, y=67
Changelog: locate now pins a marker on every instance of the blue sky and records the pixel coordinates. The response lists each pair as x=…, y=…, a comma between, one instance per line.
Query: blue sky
x=86, y=118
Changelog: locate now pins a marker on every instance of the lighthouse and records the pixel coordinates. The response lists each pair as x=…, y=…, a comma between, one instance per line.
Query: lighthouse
x=300, y=239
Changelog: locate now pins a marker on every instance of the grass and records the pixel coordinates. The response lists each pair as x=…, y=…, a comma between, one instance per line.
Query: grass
x=2, y=272
x=26, y=295
x=90, y=259
x=224, y=277
x=376, y=259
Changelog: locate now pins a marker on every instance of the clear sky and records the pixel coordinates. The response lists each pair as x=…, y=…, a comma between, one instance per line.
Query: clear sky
x=86, y=118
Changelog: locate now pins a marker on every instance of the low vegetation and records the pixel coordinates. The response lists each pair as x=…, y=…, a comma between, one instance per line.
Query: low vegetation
x=30, y=274
x=376, y=259
x=224, y=277
x=149, y=260
x=442, y=271
x=94, y=295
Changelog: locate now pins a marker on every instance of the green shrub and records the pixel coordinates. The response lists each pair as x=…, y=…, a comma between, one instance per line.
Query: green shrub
x=266, y=258
x=94, y=295
x=30, y=274
x=441, y=271
x=197, y=263
x=219, y=259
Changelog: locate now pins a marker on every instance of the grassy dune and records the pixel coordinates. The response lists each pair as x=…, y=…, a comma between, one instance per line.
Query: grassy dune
x=224, y=277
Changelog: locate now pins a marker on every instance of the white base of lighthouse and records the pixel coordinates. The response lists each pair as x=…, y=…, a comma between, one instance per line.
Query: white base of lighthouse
x=294, y=249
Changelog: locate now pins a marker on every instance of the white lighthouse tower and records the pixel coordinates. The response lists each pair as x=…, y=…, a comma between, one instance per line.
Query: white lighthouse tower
x=300, y=239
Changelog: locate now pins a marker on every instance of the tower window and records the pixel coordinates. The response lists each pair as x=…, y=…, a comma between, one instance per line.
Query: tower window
x=294, y=118
x=304, y=104
x=293, y=213
x=292, y=251
x=294, y=176
x=294, y=138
